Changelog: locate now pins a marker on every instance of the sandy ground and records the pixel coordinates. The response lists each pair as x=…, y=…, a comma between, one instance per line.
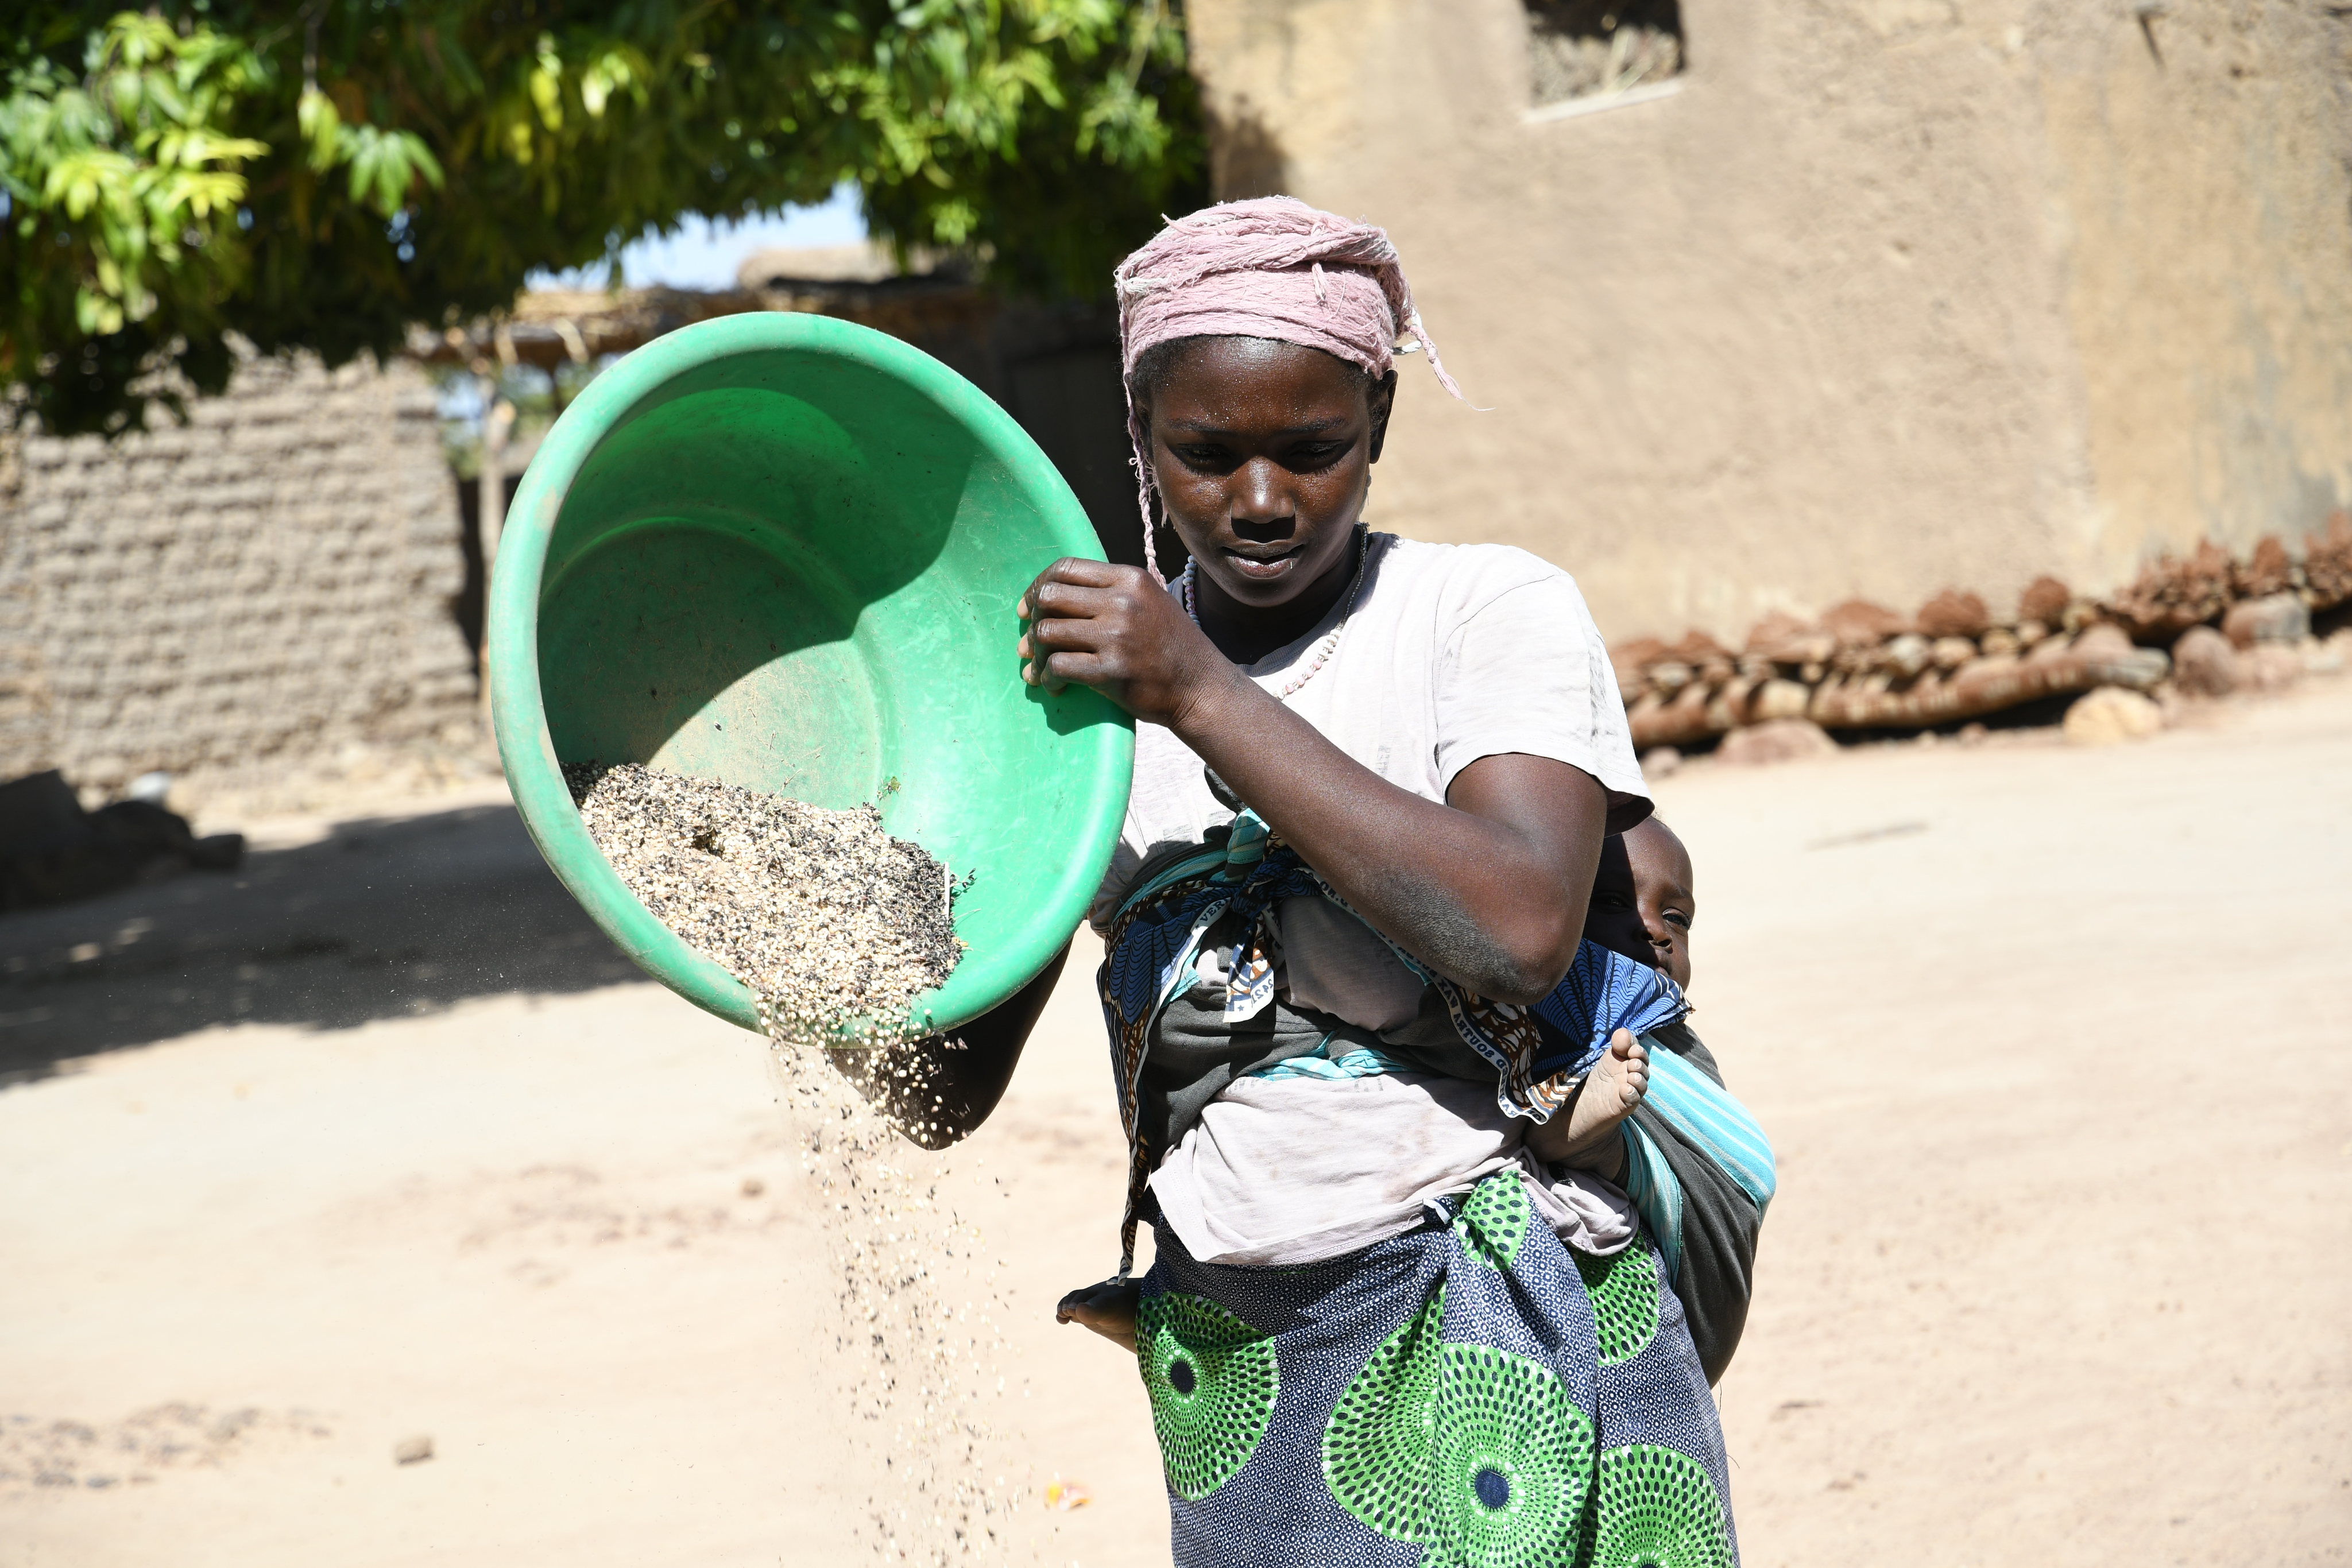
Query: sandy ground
x=380, y=1141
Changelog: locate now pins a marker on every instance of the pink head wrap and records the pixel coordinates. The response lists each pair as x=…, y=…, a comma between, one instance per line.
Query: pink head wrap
x=1272, y=268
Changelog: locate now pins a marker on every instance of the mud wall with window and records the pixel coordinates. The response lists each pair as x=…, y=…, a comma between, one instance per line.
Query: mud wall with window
x=269, y=585
x=1768, y=304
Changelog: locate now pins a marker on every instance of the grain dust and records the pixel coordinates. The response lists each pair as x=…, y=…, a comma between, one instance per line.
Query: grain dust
x=836, y=928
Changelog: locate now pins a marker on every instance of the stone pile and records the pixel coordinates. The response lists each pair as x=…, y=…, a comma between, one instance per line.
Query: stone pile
x=2205, y=626
x=53, y=852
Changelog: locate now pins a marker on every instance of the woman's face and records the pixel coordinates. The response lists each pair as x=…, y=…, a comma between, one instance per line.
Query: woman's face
x=1263, y=450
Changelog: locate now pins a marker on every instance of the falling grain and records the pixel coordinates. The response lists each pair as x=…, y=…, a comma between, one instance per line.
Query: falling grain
x=836, y=928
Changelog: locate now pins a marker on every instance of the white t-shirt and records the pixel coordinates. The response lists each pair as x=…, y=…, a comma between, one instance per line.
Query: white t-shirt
x=1453, y=653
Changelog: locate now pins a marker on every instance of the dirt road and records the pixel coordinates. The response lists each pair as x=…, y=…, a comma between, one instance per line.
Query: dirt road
x=386, y=1143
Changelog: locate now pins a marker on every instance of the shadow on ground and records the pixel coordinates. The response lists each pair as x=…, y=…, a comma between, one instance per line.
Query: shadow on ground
x=382, y=919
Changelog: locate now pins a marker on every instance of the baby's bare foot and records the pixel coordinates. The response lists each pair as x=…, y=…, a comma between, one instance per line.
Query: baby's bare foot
x=1108, y=1309
x=1587, y=1128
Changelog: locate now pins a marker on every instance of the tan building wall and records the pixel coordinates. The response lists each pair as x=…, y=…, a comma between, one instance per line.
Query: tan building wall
x=1881, y=296
x=256, y=590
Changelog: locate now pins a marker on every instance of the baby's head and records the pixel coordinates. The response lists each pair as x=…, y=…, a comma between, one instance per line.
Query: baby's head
x=1642, y=901
x=1661, y=887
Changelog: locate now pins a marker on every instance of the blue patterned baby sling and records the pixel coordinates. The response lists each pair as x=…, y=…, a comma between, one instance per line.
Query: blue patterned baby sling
x=1540, y=1053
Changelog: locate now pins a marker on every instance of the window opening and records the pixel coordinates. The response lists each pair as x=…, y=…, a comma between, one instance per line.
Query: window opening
x=1598, y=48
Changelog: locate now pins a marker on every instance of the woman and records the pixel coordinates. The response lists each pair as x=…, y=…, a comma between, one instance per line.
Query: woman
x=1372, y=781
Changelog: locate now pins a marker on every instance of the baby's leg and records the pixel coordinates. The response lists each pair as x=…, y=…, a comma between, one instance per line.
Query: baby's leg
x=1584, y=1135
x=1108, y=1309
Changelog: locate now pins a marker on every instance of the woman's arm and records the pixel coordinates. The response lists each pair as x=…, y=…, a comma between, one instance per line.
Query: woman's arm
x=1488, y=889
x=937, y=1091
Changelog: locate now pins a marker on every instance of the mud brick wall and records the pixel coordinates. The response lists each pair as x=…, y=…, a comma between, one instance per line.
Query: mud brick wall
x=267, y=586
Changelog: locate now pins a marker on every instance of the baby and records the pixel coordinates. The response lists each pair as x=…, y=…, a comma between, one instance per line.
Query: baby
x=1641, y=906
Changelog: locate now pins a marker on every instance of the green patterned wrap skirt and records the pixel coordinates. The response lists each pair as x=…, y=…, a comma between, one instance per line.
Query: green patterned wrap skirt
x=1471, y=1393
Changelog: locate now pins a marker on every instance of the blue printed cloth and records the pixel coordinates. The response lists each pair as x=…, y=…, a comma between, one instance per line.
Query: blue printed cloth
x=1356, y=1061
x=1469, y=1393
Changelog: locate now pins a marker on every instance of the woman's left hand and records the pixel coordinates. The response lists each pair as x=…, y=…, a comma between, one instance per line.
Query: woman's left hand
x=1115, y=630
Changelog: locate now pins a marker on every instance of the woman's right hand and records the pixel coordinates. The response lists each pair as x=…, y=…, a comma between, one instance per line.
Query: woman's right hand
x=1114, y=629
x=1109, y=1309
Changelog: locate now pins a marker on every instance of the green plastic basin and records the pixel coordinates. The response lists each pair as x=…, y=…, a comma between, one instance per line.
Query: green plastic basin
x=783, y=551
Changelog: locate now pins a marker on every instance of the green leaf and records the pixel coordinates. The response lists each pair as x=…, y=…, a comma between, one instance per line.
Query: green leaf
x=321, y=125
x=190, y=148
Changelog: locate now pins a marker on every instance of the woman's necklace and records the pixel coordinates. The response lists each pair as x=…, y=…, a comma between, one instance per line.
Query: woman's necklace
x=1329, y=644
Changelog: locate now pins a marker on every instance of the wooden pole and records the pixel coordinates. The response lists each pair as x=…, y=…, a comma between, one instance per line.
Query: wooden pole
x=497, y=421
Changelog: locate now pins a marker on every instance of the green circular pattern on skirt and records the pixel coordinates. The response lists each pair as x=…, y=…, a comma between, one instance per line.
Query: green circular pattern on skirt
x=1494, y=1220
x=1376, y=1445
x=1623, y=1291
x=1213, y=1384
x=1514, y=1462
x=1658, y=1510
